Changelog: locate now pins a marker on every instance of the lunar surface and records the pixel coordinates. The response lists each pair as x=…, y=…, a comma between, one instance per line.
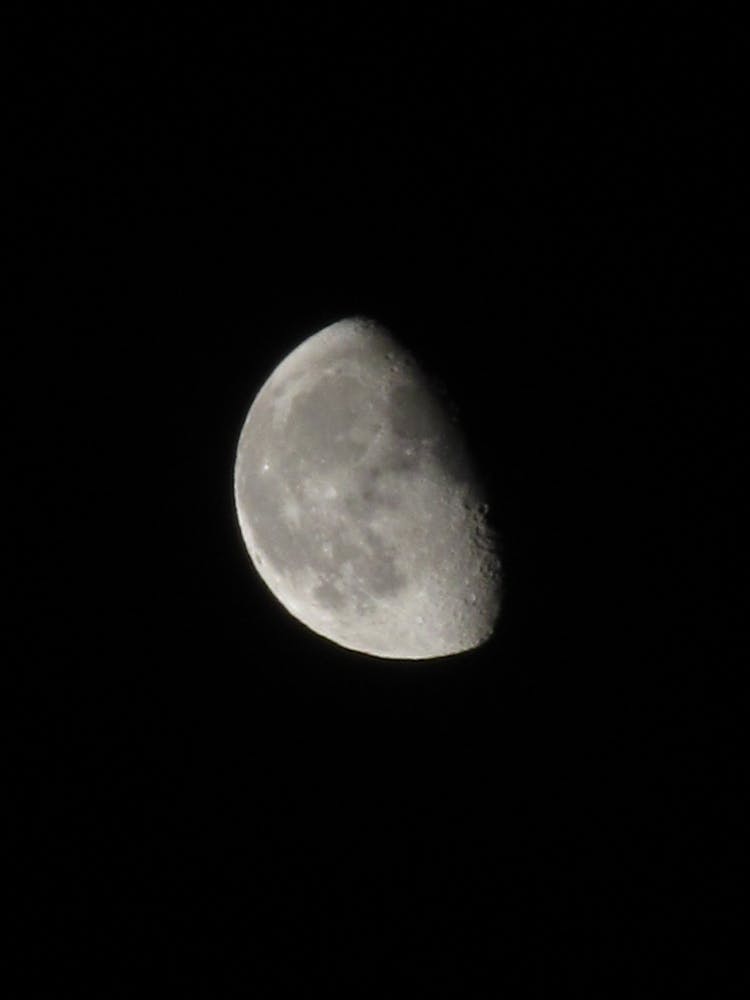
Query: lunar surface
x=358, y=502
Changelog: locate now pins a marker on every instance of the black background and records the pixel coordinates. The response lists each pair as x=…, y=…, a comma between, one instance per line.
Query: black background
x=546, y=210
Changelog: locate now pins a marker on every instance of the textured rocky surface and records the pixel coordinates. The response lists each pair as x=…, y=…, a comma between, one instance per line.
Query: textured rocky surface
x=358, y=502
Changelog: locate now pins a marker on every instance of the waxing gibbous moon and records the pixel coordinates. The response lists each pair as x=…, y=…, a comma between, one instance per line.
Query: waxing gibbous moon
x=358, y=501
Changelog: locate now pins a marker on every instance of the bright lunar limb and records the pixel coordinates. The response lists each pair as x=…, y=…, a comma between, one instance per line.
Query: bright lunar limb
x=358, y=502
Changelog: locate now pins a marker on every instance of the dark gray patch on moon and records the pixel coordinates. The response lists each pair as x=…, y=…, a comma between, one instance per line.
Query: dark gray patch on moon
x=322, y=433
x=451, y=454
x=423, y=417
x=327, y=595
x=383, y=577
x=414, y=413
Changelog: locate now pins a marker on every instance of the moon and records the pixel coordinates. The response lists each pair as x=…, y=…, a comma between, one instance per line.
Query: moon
x=359, y=504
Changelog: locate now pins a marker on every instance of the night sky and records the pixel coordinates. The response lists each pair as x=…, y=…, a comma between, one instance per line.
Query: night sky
x=545, y=210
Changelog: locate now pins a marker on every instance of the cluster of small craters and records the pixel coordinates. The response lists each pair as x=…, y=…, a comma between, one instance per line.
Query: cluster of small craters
x=484, y=538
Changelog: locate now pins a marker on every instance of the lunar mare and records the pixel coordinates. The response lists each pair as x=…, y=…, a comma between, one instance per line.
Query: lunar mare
x=358, y=502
